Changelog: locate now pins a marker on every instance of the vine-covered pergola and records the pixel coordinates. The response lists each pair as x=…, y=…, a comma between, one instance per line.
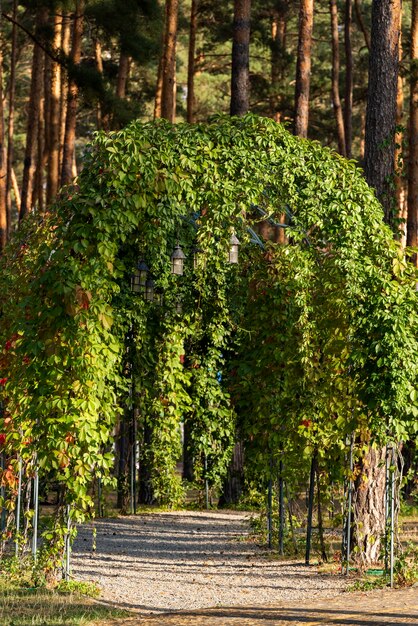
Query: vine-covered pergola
x=310, y=339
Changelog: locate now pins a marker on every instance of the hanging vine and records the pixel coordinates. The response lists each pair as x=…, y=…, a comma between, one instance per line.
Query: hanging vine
x=306, y=341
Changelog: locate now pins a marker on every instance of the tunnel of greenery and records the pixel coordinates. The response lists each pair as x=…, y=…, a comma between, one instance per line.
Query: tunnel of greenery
x=311, y=338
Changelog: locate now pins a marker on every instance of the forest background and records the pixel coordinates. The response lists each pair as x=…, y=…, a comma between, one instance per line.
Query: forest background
x=70, y=68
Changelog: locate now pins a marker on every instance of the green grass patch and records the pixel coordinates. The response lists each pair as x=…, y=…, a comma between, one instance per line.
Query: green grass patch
x=27, y=606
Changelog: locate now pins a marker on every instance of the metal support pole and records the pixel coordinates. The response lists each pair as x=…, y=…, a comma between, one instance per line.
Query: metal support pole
x=67, y=546
x=310, y=509
x=99, y=497
x=205, y=466
x=3, y=496
x=349, y=506
x=392, y=515
x=281, y=509
x=35, y=514
x=18, y=506
x=134, y=459
x=270, y=507
x=387, y=510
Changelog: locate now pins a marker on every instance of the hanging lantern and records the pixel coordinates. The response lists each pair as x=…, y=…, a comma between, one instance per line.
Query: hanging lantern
x=233, y=250
x=139, y=277
x=149, y=289
x=177, y=261
x=179, y=307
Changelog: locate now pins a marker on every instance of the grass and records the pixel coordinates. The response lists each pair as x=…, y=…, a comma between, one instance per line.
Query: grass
x=20, y=606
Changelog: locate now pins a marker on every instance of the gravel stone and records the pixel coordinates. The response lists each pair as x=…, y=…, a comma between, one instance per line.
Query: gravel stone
x=162, y=562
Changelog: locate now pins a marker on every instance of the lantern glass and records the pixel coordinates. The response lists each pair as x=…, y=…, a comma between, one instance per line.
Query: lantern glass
x=233, y=250
x=139, y=277
x=177, y=261
x=149, y=290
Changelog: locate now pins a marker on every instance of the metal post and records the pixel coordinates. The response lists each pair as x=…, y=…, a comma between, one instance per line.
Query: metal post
x=281, y=509
x=349, y=506
x=18, y=505
x=35, y=514
x=392, y=514
x=3, y=496
x=387, y=510
x=99, y=497
x=270, y=507
x=67, y=545
x=205, y=466
x=134, y=459
x=310, y=509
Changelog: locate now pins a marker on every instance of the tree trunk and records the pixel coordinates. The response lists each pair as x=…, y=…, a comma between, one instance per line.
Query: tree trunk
x=240, y=71
x=123, y=75
x=348, y=98
x=381, y=102
x=68, y=158
x=168, y=91
x=3, y=203
x=54, y=118
x=159, y=89
x=335, y=92
x=33, y=117
x=401, y=209
x=369, y=506
x=10, y=129
x=361, y=24
x=66, y=39
x=278, y=49
x=38, y=198
x=303, y=68
x=412, y=221
x=191, y=64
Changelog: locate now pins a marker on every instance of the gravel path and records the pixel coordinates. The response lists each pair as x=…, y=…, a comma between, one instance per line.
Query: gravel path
x=190, y=560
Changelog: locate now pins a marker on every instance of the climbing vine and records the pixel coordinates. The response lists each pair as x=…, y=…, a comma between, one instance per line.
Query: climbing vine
x=304, y=342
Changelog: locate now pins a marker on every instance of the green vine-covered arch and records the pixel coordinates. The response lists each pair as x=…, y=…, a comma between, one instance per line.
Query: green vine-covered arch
x=308, y=340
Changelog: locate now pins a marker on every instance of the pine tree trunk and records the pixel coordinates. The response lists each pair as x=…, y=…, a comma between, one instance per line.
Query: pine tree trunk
x=66, y=40
x=361, y=24
x=278, y=50
x=381, y=102
x=369, y=506
x=240, y=71
x=33, y=118
x=123, y=75
x=38, y=198
x=412, y=221
x=336, y=101
x=3, y=203
x=159, y=89
x=401, y=209
x=68, y=159
x=348, y=98
x=54, y=118
x=99, y=67
x=303, y=68
x=168, y=90
x=10, y=129
x=192, y=64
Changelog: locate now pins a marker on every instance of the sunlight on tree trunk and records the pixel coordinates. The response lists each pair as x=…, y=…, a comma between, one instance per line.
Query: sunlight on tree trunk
x=240, y=70
x=303, y=68
x=336, y=101
x=412, y=223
